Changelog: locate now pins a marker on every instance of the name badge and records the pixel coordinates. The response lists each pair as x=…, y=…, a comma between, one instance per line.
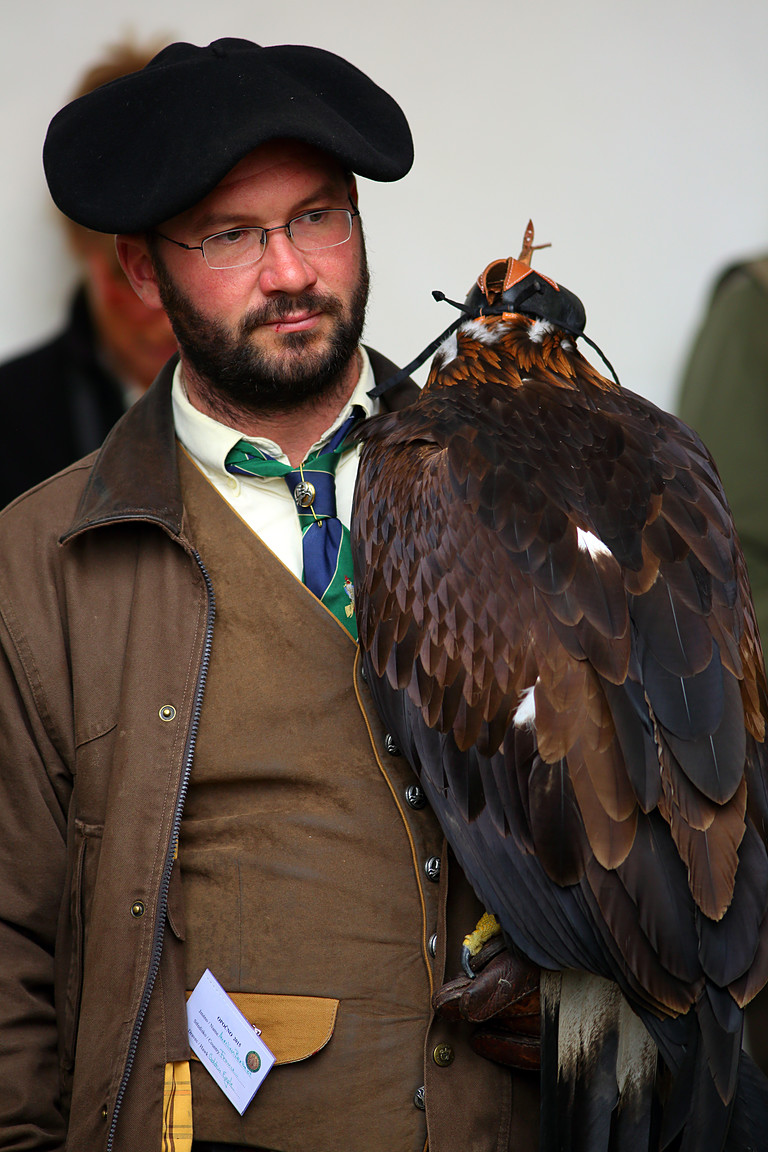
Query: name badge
x=226, y=1043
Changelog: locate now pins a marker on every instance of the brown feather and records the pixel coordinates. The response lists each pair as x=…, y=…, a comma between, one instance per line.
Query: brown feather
x=609, y=839
x=711, y=856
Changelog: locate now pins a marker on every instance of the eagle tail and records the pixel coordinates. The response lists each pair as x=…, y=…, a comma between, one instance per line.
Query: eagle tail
x=740, y=1126
x=749, y=1123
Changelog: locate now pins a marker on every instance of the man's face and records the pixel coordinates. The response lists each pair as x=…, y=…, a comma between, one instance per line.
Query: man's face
x=274, y=334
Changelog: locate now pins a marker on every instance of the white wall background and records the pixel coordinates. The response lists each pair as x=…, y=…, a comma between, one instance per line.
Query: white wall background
x=634, y=132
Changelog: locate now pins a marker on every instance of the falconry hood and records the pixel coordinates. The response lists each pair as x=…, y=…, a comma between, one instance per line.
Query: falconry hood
x=513, y=286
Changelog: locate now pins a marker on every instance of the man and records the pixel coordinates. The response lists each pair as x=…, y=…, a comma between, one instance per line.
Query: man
x=193, y=776
x=66, y=394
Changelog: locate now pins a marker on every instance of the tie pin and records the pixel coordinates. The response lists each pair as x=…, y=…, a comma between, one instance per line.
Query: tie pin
x=304, y=494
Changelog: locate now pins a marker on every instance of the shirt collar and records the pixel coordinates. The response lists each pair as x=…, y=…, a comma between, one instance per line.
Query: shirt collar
x=209, y=441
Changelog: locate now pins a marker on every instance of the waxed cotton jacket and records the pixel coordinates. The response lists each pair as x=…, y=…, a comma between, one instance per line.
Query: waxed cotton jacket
x=106, y=616
x=94, y=562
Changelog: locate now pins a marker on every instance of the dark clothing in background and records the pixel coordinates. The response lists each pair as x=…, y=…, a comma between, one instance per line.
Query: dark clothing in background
x=57, y=403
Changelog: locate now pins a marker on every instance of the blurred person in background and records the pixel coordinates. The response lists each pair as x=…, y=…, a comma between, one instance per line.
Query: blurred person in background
x=65, y=395
x=724, y=396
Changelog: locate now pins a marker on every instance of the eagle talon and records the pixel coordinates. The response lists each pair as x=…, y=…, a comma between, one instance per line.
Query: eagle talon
x=486, y=930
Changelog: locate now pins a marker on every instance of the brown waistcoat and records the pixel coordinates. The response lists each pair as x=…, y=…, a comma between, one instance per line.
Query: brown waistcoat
x=303, y=873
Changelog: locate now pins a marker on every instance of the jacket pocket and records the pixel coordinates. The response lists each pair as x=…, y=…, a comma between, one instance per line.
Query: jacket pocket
x=85, y=858
x=175, y=909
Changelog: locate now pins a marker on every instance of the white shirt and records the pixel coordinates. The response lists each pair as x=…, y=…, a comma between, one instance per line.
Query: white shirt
x=265, y=503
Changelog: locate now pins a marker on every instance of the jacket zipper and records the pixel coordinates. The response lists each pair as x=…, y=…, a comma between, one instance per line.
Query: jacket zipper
x=157, y=943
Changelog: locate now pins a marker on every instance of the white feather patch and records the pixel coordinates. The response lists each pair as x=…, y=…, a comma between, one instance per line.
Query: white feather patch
x=589, y=1011
x=448, y=350
x=483, y=333
x=538, y=330
x=636, y=1057
x=588, y=542
x=526, y=709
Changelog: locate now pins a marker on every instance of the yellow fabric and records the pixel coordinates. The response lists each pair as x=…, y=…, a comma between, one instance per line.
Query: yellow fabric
x=177, y=1108
x=292, y=1027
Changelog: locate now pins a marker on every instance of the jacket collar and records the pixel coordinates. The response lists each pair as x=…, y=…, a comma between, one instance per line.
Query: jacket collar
x=135, y=474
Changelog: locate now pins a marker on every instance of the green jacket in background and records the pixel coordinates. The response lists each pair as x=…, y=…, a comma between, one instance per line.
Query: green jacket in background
x=724, y=396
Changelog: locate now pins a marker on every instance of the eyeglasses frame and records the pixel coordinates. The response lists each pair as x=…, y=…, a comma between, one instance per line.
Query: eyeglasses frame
x=352, y=212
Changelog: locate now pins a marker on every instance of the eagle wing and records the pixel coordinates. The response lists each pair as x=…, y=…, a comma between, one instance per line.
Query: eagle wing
x=557, y=627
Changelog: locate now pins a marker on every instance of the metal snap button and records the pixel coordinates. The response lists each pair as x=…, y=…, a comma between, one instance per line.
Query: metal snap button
x=432, y=869
x=167, y=712
x=419, y=1099
x=415, y=796
x=432, y=945
x=391, y=746
x=443, y=1055
x=137, y=909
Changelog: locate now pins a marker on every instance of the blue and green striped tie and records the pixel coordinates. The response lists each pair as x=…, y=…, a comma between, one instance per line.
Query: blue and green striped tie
x=325, y=540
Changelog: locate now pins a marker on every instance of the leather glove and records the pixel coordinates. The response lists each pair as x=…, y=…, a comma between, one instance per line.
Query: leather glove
x=503, y=1001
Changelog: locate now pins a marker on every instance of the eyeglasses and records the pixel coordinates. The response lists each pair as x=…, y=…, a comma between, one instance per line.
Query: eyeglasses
x=309, y=232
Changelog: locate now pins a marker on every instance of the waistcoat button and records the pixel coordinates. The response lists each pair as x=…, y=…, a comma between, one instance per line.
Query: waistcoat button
x=415, y=796
x=418, y=1099
x=432, y=869
x=391, y=746
x=443, y=1055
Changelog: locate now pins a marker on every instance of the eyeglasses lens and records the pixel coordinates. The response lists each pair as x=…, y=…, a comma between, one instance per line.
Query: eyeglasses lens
x=309, y=233
x=324, y=229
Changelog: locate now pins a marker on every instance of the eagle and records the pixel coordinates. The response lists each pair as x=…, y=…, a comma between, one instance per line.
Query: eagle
x=556, y=625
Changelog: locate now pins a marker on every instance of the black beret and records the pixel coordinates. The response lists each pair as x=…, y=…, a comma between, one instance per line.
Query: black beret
x=149, y=145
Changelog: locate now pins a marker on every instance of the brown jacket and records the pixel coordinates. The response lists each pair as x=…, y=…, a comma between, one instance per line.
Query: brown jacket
x=97, y=576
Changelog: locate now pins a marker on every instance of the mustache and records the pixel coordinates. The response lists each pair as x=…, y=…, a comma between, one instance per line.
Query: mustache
x=283, y=307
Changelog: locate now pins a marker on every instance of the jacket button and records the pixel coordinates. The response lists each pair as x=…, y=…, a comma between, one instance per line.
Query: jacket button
x=137, y=909
x=391, y=746
x=432, y=945
x=432, y=869
x=104, y=1112
x=415, y=796
x=418, y=1099
x=167, y=712
x=443, y=1055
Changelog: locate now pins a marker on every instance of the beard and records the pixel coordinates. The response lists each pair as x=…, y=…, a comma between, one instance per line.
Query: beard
x=234, y=375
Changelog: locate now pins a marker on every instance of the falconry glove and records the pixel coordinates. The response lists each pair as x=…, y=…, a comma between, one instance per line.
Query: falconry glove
x=502, y=999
